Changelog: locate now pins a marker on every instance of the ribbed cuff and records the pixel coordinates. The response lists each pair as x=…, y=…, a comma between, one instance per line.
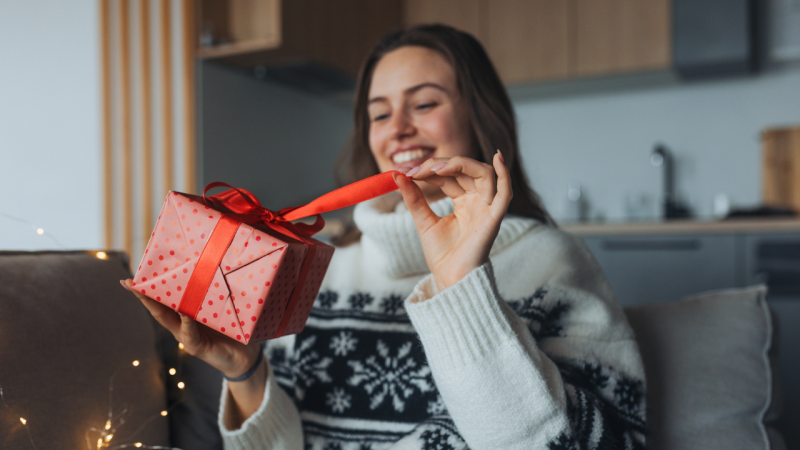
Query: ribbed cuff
x=275, y=425
x=462, y=323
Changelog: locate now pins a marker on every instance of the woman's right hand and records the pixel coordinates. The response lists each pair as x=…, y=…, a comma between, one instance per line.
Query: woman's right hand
x=231, y=358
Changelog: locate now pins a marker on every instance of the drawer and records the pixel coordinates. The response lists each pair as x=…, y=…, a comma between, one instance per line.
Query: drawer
x=651, y=269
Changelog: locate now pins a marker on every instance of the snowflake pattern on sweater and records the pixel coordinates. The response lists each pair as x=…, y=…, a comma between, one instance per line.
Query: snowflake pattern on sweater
x=362, y=375
x=378, y=376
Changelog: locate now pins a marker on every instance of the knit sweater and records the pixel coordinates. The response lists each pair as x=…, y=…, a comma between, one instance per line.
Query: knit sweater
x=528, y=351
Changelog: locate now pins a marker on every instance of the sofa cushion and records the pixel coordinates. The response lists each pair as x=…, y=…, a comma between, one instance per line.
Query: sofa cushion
x=709, y=370
x=69, y=335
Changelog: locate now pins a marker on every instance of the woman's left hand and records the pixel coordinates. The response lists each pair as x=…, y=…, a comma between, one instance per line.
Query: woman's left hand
x=458, y=243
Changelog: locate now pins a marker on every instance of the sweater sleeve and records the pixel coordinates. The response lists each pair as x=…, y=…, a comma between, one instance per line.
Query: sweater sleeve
x=564, y=373
x=275, y=425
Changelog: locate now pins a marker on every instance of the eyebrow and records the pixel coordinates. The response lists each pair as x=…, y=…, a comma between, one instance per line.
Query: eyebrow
x=411, y=90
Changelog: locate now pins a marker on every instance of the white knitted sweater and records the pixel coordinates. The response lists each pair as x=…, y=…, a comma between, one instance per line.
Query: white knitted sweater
x=529, y=351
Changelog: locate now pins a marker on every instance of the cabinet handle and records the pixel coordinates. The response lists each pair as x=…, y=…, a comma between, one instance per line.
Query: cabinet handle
x=677, y=245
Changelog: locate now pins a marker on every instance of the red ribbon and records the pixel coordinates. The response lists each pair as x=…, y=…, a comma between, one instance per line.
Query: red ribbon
x=241, y=206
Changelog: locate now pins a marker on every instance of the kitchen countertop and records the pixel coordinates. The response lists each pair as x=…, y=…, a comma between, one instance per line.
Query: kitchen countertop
x=730, y=226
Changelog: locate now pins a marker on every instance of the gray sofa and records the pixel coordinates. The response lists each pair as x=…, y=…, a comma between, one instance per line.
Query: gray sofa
x=80, y=354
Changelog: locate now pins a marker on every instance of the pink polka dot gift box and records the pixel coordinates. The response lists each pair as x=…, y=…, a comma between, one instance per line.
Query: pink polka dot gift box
x=237, y=267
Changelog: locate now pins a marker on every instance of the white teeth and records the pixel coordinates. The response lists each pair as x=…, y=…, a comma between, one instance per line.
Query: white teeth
x=410, y=155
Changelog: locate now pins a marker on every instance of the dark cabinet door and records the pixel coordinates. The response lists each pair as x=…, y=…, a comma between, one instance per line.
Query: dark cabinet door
x=774, y=259
x=651, y=269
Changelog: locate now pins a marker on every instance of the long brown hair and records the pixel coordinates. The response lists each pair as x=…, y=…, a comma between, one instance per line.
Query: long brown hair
x=492, y=118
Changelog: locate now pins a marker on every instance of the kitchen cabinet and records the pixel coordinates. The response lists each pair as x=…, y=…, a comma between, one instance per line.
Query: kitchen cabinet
x=774, y=259
x=529, y=40
x=616, y=36
x=540, y=40
x=652, y=269
x=466, y=15
x=252, y=33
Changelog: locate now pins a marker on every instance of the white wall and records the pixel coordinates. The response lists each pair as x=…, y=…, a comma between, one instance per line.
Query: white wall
x=603, y=141
x=50, y=136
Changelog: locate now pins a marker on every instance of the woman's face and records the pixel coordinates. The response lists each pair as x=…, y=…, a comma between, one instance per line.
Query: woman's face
x=416, y=112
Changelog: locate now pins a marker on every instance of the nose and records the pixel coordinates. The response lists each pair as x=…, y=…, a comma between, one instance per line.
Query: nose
x=401, y=125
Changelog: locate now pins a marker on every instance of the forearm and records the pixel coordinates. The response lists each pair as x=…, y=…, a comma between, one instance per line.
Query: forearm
x=246, y=397
x=501, y=389
x=259, y=418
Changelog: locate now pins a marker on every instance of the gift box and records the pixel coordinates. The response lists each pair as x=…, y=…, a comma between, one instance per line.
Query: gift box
x=237, y=267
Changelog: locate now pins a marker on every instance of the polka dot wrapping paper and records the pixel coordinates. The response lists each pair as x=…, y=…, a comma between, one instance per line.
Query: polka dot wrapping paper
x=252, y=285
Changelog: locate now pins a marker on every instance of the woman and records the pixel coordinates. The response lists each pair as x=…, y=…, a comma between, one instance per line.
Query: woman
x=445, y=323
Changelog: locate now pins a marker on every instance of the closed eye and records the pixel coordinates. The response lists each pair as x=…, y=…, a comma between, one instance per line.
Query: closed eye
x=426, y=106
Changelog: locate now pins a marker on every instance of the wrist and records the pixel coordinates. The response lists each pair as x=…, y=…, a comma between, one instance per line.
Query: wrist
x=246, y=369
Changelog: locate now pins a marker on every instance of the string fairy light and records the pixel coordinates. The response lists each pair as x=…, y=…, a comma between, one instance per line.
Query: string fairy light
x=22, y=420
x=107, y=432
x=101, y=255
x=39, y=230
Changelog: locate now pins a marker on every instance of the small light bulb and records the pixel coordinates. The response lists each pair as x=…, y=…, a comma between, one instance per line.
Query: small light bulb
x=180, y=345
x=163, y=413
x=172, y=371
x=101, y=255
x=23, y=420
x=100, y=443
x=181, y=385
x=138, y=444
x=108, y=438
x=39, y=231
x=136, y=363
x=108, y=424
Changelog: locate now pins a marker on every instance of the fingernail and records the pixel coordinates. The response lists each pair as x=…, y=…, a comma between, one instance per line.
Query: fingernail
x=123, y=284
x=502, y=160
x=437, y=167
x=403, y=170
x=412, y=172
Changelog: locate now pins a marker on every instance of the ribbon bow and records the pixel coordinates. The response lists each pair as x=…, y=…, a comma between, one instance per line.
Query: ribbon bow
x=242, y=205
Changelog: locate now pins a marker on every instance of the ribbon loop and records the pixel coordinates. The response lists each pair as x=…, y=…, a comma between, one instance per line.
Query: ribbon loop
x=242, y=205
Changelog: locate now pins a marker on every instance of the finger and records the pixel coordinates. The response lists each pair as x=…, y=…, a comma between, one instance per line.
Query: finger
x=423, y=217
x=163, y=314
x=449, y=185
x=425, y=170
x=190, y=330
x=482, y=175
x=504, y=190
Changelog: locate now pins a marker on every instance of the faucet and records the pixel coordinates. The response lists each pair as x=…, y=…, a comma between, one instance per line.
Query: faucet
x=673, y=209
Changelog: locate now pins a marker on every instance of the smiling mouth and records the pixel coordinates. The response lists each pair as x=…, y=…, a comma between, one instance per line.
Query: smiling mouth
x=411, y=158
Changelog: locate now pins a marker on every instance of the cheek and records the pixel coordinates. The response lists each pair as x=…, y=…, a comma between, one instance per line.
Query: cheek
x=450, y=133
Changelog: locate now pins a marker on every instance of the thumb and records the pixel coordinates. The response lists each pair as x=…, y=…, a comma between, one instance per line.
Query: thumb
x=423, y=216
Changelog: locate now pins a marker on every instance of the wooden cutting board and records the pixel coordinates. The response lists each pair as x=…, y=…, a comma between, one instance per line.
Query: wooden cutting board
x=781, y=167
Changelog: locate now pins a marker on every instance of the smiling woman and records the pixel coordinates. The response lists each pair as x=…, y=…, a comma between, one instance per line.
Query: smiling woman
x=432, y=69
x=522, y=342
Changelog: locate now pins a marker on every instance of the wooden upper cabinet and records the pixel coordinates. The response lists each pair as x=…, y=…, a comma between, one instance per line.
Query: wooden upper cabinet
x=234, y=27
x=529, y=40
x=466, y=15
x=615, y=36
x=337, y=34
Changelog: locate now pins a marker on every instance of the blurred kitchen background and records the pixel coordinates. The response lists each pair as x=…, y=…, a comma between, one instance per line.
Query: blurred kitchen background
x=666, y=133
